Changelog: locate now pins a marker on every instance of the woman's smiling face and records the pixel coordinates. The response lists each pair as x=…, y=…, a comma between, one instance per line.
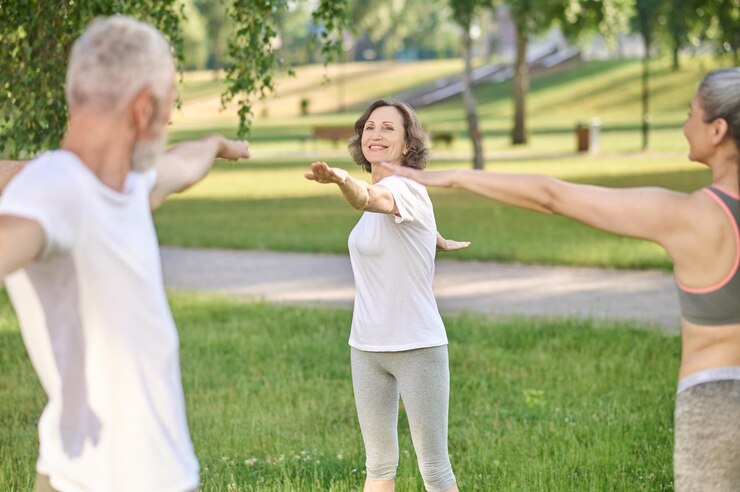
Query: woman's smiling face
x=383, y=137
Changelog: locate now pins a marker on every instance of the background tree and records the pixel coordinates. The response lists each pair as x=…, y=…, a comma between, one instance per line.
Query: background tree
x=218, y=27
x=33, y=112
x=253, y=51
x=679, y=21
x=645, y=19
x=295, y=27
x=394, y=25
x=194, y=38
x=464, y=12
x=35, y=40
x=532, y=17
x=721, y=25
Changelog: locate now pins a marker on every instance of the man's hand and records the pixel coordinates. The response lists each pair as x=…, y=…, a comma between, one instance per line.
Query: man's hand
x=233, y=150
x=322, y=173
x=447, y=245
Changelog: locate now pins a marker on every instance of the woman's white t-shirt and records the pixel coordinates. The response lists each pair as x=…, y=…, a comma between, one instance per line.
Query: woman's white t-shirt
x=393, y=265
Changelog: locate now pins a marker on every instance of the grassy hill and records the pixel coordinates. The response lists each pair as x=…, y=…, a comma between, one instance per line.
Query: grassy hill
x=608, y=90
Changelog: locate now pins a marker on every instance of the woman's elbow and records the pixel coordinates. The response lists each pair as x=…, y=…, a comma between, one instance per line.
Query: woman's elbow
x=552, y=197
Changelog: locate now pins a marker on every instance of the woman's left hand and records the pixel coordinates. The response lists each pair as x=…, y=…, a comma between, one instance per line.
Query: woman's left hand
x=450, y=244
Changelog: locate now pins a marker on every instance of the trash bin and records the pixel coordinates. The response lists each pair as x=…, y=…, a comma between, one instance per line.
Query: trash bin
x=593, y=136
x=582, y=137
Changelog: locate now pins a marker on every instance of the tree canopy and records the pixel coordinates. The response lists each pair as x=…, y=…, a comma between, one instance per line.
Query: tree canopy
x=36, y=37
x=250, y=39
x=35, y=40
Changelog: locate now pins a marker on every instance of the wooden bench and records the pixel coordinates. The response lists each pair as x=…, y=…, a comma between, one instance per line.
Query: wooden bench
x=442, y=137
x=333, y=133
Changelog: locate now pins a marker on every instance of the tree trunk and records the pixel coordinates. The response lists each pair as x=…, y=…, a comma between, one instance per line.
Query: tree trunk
x=520, y=88
x=645, y=91
x=469, y=99
x=676, y=60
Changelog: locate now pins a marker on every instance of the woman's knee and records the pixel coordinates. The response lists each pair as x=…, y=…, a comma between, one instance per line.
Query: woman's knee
x=437, y=475
x=381, y=469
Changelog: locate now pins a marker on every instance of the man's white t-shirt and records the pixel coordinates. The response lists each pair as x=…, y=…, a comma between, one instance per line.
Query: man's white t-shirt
x=393, y=265
x=96, y=324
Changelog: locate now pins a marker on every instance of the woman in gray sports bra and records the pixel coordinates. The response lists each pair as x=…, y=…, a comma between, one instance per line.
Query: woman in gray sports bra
x=700, y=231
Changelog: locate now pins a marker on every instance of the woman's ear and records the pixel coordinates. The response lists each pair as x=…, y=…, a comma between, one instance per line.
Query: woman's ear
x=720, y=130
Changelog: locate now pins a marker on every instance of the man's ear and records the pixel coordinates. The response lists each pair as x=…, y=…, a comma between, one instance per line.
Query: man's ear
x=720, y=130
x=142, y=110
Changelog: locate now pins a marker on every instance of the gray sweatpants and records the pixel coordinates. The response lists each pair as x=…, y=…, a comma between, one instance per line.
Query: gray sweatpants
x=707, y=440
x=422, y=379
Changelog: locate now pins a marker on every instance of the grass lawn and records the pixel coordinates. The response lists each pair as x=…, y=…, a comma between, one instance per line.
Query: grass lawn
x=266, y=203
x=536, y=405
x=269, y=205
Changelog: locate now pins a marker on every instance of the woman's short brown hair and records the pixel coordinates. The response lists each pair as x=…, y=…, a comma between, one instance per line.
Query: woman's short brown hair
x=416, y=149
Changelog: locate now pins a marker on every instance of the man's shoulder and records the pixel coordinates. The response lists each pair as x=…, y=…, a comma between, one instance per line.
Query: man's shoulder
x=53, y=178
x=60, y=169
x=56, y=161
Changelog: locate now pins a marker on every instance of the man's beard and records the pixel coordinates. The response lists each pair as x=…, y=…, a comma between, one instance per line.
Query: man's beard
x=146, y=154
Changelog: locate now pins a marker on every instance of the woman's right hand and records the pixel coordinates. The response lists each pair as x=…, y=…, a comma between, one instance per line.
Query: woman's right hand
x=322, y=173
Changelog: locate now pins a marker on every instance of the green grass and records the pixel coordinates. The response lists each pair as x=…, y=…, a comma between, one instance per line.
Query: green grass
x=266, y=204
x=269, y=205
x=536, y=405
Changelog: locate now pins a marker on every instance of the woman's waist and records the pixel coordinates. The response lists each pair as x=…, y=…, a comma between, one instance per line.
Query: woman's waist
x=707, y=352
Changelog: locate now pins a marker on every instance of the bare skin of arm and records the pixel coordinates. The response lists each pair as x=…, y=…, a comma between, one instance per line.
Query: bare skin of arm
x=666, y=217
x=372, y=198
x=187, y=163
x=359, y=194
x=21, y=241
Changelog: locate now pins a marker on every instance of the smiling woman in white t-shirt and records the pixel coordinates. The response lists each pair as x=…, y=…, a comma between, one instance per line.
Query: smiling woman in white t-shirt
x=398, y=340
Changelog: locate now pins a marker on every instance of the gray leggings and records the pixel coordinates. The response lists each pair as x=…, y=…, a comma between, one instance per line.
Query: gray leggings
x=707, y=440
x=422, y=378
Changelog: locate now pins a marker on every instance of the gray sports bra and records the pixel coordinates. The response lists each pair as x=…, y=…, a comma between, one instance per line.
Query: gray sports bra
x=720, y=303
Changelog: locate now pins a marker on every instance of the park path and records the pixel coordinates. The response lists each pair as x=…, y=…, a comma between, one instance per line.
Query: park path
x=647, y=297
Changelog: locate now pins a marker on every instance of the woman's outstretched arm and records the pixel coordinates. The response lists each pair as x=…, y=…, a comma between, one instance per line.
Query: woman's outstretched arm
x=655, y=214
x=358, y=193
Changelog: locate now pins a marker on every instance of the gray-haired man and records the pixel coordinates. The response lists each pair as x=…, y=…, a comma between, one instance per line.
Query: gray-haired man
x=80, y=258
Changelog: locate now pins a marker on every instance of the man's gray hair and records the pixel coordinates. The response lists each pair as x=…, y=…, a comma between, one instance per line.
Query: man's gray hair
x=114, y=59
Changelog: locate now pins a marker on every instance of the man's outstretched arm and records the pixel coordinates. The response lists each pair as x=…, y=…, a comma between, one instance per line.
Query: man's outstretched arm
x=8, y=169
x=186, y=163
